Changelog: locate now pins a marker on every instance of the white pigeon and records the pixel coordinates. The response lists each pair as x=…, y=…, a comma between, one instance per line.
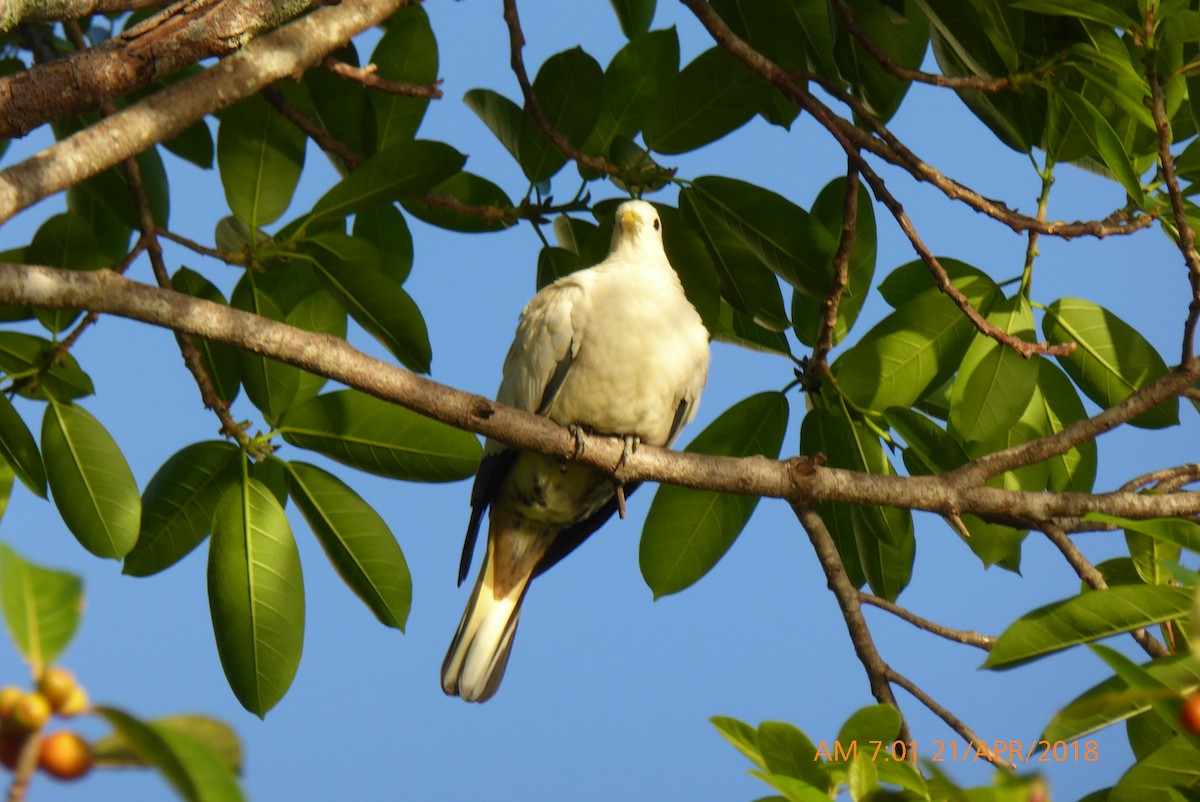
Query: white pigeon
x=616, y=349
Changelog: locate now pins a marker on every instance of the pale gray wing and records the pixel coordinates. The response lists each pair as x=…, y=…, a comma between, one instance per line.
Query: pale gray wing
x=539, y=361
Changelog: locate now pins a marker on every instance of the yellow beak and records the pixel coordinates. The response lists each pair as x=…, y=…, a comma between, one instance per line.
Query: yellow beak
x=629, y=219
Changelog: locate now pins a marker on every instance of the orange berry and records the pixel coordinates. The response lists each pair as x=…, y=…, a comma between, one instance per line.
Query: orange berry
x=31, y=712
x=56, y=684
x=1189, y=714
x=75, y=704
x=65, y=756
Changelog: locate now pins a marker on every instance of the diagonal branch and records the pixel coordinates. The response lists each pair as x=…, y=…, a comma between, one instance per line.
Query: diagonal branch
x=279, y=54
x=534, y=109
x=13, y=12
x=968, y=638
x=367, y=77
x=841, y=271
x=975, y=743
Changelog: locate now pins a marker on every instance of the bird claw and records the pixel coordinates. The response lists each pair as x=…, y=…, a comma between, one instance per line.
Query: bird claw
x=580, y=440
x=632, y=441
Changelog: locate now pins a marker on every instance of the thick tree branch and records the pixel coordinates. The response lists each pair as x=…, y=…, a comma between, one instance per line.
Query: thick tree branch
x=799, y=480
x=16, y=11
x=186, y=33
x=895, y=153
x=279, y=54
x=969, y=638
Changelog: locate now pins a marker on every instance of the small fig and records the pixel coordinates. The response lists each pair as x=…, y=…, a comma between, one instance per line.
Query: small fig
x=31, y=712
x=65, y=755
x=56, y=684
x=1189, y=714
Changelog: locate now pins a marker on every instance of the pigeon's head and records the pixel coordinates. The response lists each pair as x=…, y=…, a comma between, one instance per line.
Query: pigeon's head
x=636, y=229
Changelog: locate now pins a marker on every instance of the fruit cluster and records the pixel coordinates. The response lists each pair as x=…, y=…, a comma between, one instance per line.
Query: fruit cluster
x=25, y=714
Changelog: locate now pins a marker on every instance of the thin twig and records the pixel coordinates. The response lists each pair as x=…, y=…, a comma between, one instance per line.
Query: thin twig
x=1031, y=248
x=367, y=77
x=228, y=257
x=955, y=723
x=1089, y=574
x=313, y=130
x=534, y=109
x=848, y=601
x=841, y=272
x=968, y=638
x=1176, y=477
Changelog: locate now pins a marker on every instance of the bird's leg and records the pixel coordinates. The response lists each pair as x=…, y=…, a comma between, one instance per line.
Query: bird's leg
x=631, y=444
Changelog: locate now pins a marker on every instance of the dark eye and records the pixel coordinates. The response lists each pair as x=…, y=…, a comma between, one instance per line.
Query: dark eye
x=657, y=225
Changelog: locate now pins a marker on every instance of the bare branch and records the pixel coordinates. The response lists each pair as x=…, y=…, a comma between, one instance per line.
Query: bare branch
x=312, y=129
x=228, y=257
x=848, y=600
x=534, y=109
x=893, y=151
x=955, y=723
x=1088, y=573
x=841, y=271
x=800, y=480
x=1169, y=479
x=186, y=33
x=367, y=77
x=969, y=638
x=16, y=11
x=281, y=53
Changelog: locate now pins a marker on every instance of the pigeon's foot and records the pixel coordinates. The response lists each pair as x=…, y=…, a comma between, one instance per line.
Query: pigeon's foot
x=580, y=440
x=632, y=441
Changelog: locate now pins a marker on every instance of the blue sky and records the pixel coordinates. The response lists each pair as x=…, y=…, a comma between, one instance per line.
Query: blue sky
x=608, y=693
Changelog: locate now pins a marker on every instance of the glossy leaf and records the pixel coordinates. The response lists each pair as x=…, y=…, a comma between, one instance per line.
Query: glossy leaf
x=568, y=88
x=114, y=751
x=65, y=241
x=399, y=171
x=1111, y=359
x=789, y=752
x=1075, y=470
x=195, y=771
x=260, y=156
x=357, y=541
x=384, y=227
x=1106, y=142
x=38, y=370
x=1177, y=531
x=349, y=269
x=41, y=608
x=340, y=106
x=319, y=313
x=743, y=737
x=469, y=190
x=270, y=385
x=219, y=361
x=635, y=16
x=91, y=482
x=711, y=97
x=408, y=53
x=634, y=78
x=381, y=438
x=909, y=352
x=1104, y=13
x=825, y=433
x=914, y=278
x=688, y=531
x=256, y=594
x=19, y=450
x=901, y=32
x=738, y=328
x=691, y=260
x=1084, y=618
x=994, y=382
x=501, y=116
x=178, y=505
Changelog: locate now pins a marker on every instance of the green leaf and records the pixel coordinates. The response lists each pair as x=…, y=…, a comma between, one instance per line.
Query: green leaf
x=178, y=505
x=340, y=106
x=635, y=16
x=500, y=115
x=1103, y=13
x=783, y=236
x=270, y=385
x=788, y=751
x=903, y=34
x=745, y=282
x=554, y=263
x=113, y=751
x=994, y=382
x=1075, y=470
x=467, y=189
x=319, y=313
x=385, y=227
x=39, y=371
x=688, y=531
x=1136, y=677
x=219, y=361
x=406, y=53
x=65, y=241
x=913, y=278
x=19, y=450
x=193, y=769
x=568, y=87
x=1177, y=531
x=634, y=78
x=1085, y=618
x=690, y=258
x=399, y=171
x=1102, y=136
x=256, y=594
x=1165, y=774
x=91, y=482
x=709, y=98
x=823, y=432
x=260, y=156
x=738, y=328
x=41, y=608
x=357, y=541
x=909, y=352
x=1113, y=700
x=743, y=737
x=929, y=449
x=381, y=438
x=349, y=269
x=1111, y=359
